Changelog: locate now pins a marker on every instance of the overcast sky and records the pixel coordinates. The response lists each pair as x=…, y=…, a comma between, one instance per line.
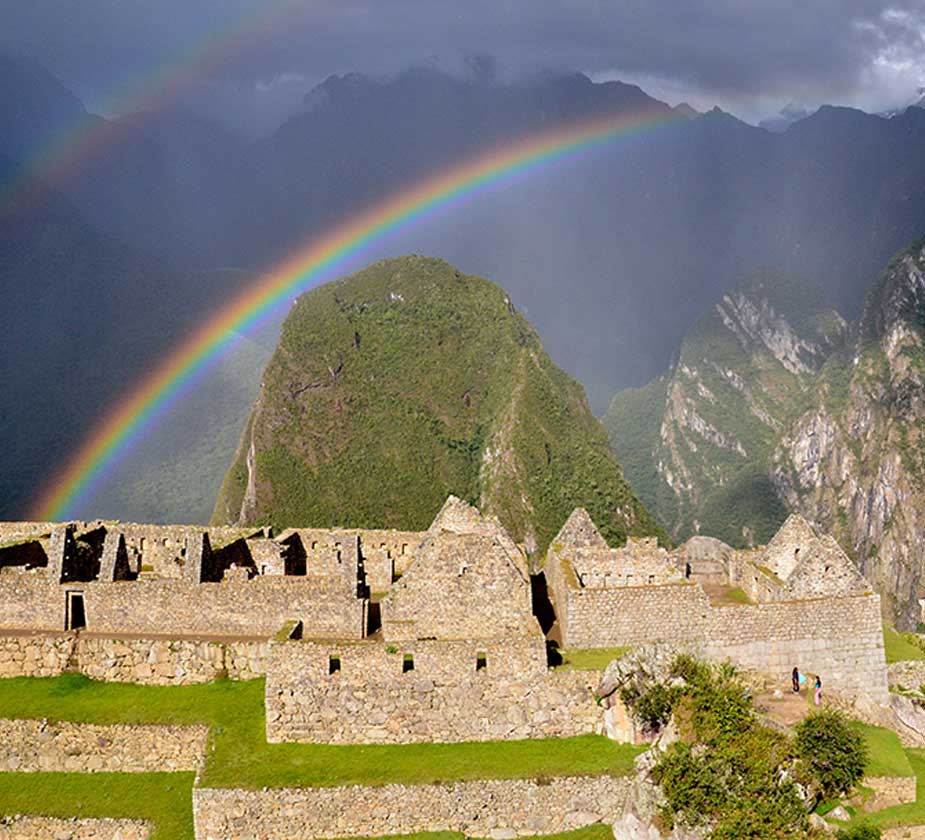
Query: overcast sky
x=251, y=61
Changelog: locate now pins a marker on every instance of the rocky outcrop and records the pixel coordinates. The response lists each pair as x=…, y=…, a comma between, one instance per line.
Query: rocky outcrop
x=832, y=421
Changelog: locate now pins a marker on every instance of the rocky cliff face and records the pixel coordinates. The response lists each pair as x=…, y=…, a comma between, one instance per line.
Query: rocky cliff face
x=775, y=405
x=854, y=460
x=693, y=441
x=408, y=381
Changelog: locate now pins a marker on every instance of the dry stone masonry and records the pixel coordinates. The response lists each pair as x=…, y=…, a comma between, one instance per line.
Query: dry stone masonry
x=34, y=746
x=404, y=637
x=810, y=607
x=46, y=828
x=488, y=808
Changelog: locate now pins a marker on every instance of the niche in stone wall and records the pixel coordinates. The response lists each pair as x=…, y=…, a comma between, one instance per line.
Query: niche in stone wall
x=333, y=663
x=481, y=662
x=407, y=663
x=75, y=612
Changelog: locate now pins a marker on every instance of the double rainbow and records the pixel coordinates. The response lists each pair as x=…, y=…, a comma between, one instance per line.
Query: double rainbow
x=115, y=434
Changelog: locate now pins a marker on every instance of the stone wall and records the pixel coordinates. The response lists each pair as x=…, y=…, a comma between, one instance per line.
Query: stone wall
x=840, y=638
x=48, y=828
x=889, y=791
x=238, y=607
x=36, y=746
x=488, y=808
x=759, y=583
x=456, y=691
x=641, y=561
x=146, y=661
x=909, y=674
x=460, y=586
x=631, y=615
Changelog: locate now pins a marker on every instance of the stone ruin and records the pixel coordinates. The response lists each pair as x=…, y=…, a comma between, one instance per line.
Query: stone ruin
x=377, y=635
x=799, y=601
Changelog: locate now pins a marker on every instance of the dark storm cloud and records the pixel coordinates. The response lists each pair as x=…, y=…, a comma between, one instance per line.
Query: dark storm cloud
x=735, y=52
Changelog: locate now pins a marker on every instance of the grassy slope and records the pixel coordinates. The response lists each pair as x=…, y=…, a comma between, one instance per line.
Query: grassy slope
x=387, y=389
x=898, y=647
x=885, y=754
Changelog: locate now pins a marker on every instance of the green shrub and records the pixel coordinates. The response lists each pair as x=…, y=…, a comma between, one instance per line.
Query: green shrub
x=654, y=708
x=861, y=831
x=833, y=750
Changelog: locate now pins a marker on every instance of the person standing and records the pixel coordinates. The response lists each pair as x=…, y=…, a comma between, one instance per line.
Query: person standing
x=817, y=697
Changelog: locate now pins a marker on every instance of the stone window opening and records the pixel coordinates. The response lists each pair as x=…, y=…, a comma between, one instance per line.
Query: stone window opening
x=314, y=545
x=687, y=570
x=404, y=548
x=407, y=663
x=462, y=569
x=333, y=663
x=651, y=579
x=481, y=662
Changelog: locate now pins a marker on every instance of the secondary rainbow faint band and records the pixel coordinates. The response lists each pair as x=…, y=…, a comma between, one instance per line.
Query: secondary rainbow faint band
x=88, y=136
x=129, y=417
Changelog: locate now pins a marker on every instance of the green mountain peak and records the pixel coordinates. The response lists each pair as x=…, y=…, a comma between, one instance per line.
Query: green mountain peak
x=409, y=381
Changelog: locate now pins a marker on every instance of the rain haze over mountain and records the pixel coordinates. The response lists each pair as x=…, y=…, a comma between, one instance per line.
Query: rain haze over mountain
x=157, y=158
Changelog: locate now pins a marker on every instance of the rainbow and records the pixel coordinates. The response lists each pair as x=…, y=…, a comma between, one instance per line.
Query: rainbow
x=115, y=434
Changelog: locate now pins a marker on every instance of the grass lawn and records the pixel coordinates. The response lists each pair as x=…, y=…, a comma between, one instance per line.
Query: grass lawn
x=164, y=799
x=885, y=755
x=898, y=647
x=589, y=659
x=239, y=756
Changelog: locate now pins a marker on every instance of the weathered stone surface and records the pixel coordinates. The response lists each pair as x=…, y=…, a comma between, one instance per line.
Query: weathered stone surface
x=470, y=690
x=33, y=746
x=837, y=635
x=889, y=791
x=46, y=828
x=476, y=808
x=148, y=661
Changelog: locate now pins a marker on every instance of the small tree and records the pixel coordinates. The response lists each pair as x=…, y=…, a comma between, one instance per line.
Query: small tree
x=833, y=751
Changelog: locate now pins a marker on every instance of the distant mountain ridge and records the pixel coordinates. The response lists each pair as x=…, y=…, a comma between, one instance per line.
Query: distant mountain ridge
x=409, y=381
x=612, y=255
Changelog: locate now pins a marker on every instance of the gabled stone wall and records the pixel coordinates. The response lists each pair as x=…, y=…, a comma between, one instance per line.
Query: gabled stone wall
x=459, y=586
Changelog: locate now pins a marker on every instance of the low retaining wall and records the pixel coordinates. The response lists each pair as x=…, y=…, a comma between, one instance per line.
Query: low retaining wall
x=492, y=808
x=146, y=661
x=889, y=791
x=46, y=828
x=33, y=746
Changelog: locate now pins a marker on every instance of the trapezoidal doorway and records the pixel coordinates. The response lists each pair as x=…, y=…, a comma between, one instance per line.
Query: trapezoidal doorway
x=76, y=616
